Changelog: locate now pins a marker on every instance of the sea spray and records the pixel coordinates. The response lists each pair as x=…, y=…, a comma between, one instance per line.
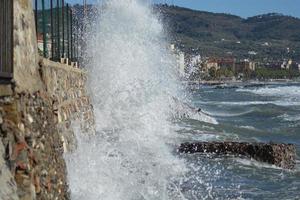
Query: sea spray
x=132, y=81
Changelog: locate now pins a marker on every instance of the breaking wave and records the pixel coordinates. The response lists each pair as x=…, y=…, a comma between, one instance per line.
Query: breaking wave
x=287, y=92
x=133, y=83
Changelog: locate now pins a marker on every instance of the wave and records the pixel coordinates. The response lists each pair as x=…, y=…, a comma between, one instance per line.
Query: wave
x=245, y=103
x=204, y=118
x=252, y=162
x=280, y=91
x=131, y=73
x=290, y=118
x=248, y=127
x=184, y=110
x=224, y=114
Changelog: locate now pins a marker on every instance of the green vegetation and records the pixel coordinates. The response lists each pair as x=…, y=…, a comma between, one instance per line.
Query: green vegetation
x=265, y=73
x=259, y=73
x=224, y=35
x=219, y=74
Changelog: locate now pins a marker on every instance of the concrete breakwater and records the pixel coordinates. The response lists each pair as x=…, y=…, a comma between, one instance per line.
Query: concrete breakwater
x=35, y=130
x=281, y=155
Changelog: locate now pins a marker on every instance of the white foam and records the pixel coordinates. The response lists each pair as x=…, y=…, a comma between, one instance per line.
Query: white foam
x=245, y=103
x=131, y=71
x=252, y=162
x=231, y=114
x=184, y=110
x=248, y=127
x=290, y=118
x=280, y=91
x=200, y=116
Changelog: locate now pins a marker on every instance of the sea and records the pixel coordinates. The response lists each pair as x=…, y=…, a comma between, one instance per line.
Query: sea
x=143, y=112
x=251, y=112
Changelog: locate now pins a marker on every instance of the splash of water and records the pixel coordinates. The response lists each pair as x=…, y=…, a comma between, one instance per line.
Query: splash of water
x=132, y=80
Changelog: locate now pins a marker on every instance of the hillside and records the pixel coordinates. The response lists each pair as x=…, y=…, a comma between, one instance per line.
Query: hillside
x=271, y=36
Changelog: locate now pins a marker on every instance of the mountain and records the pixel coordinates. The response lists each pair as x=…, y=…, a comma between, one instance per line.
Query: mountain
x=271, y=36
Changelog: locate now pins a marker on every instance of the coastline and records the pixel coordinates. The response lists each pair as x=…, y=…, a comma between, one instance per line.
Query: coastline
x=246, y=82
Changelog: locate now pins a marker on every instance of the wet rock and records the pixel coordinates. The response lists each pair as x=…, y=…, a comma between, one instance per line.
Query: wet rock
x=281, y=155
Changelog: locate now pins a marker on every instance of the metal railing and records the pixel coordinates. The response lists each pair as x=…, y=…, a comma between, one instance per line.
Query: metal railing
x=6, y=39
x=57, y=30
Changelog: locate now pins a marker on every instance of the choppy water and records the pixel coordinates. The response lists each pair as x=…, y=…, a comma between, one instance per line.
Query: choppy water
x=267, y=113
x=137, y=99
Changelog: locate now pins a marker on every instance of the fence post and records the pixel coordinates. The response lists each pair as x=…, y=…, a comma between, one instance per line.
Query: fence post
x=68, y=32
x=52, y=31
x=36, y=16
x=44, y=30
x=58, y=31
x=63, y=27
x=77, y=42
x=71, y=22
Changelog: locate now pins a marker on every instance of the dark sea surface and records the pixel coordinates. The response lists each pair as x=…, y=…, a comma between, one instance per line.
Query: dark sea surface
x=260, y=113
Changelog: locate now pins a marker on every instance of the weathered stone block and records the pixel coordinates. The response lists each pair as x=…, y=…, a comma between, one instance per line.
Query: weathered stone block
x=5, y=90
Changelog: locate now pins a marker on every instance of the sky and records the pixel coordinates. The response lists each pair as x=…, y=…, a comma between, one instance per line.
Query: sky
x=243, y=8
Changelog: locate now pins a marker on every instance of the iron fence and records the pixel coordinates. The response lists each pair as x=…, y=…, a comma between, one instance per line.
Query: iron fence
x=6, y=39
x=57, y=30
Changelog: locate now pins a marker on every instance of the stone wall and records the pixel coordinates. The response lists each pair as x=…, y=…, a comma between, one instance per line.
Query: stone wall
x=25, y=48
x=37, y=110
x=36, y=129
x=8, y=185
x=67, y=87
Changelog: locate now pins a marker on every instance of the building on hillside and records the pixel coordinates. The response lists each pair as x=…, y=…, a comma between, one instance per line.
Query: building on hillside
x=273, y=65
x=253, y=53
x=244, y=65
x=209, y=64
x=293, y=66
x=289, y=64
x=227, y=63
x=219, y=63
x=40, y=43
x=285, y=64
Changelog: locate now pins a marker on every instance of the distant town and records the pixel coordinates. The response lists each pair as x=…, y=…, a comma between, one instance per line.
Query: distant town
x=196, y=68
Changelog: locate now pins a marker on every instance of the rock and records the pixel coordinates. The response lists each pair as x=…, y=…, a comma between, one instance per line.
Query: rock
x=37, y=185
x=44, y=172
x=29, y=118
x=8, y=188
x=21, y=127
x=5, y=90
x=281, y=155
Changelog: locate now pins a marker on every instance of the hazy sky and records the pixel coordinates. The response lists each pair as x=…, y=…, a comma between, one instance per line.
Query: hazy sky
x=244, y=8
